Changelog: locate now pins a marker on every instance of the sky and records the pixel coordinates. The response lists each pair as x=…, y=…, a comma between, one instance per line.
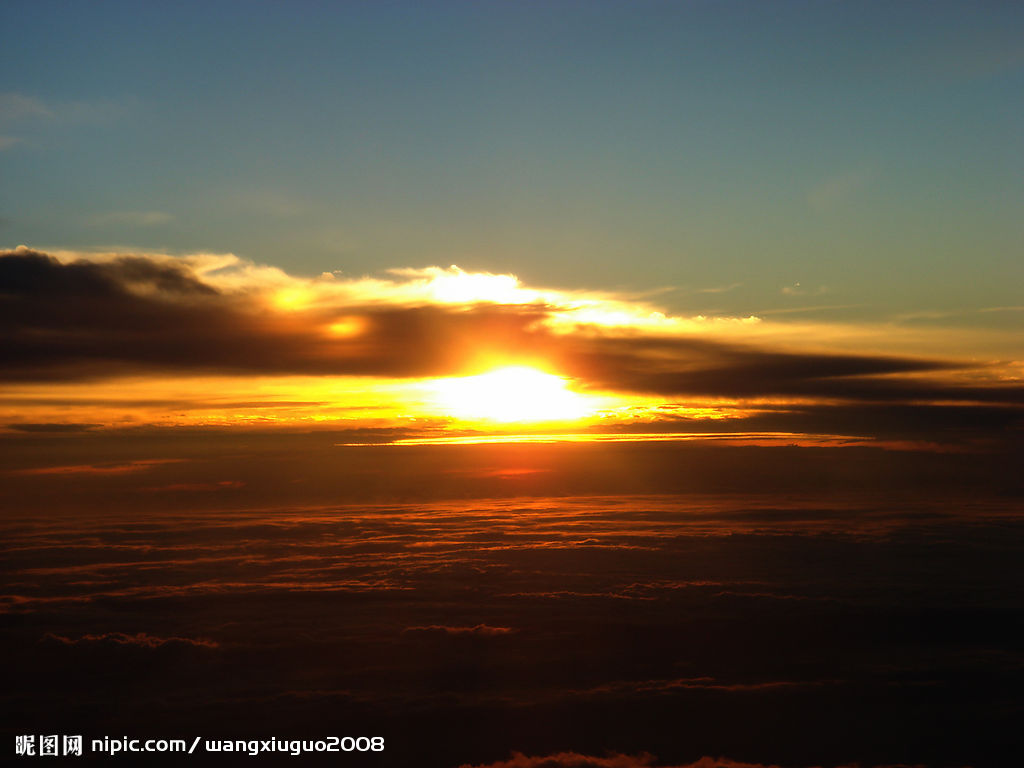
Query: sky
x=308, y=214
x=526, y=384
x=861, y=156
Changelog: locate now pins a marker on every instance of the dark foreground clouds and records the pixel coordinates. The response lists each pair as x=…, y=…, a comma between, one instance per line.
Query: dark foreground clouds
x=795, y=607
x=86, y=320
x=584, y=632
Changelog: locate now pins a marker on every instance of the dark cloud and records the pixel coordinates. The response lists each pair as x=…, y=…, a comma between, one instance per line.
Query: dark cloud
x=93, y=320
x=140, y=640
x=757, y=626
x=481, y=630
x=946, y=424
x=52, y=427
x=716, y=369
x=705, y=683
x=85, y=284
x=81, y=320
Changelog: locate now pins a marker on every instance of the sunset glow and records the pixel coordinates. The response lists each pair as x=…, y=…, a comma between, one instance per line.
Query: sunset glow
x=513, y=394
x=605, y=384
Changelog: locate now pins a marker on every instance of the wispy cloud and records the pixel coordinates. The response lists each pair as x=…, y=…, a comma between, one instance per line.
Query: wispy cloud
x=139, y=640
x=20, y=113
x=720, y=288
x=51, y=428
x=130, y=219
x=796, y=289
x=261, y=201
x=16, y=107
x=17, y=110
x=799, y=310
x=120, y=468
x=479, y=630
x=839, y=189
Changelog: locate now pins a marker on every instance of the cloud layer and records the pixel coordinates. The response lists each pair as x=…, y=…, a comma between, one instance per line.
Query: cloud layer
x=568, y=632
x=67, y=319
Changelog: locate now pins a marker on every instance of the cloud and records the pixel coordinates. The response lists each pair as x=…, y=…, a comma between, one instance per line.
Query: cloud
x=720, y=288
x=263, y=201
x=220, y=485
x=1002, y=309
x=19, y=112
x=796, y=289
x=52, y=427
x=138, y=640
x=480, y=630
x=16, y=110
x=838, y=189
x=97, y=469
x=17, y=107
x=709, y=683
x=798, y=310
x=131, y=219
x=93, y=319
x=73, y=319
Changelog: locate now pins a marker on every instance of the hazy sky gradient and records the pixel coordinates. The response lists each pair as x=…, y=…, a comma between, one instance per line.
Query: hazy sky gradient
x=869, y=152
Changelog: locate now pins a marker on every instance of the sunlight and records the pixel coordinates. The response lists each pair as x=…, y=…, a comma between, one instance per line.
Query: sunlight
x=510, y=394
x=291, y=299
x=347, y=327
x=456, y=286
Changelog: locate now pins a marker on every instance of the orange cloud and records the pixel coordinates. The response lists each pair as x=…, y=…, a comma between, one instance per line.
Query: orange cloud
x=108, y=318
x=121, y=468
x=140, y=639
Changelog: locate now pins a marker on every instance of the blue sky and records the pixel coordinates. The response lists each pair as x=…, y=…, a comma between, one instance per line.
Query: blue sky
x=870, y=152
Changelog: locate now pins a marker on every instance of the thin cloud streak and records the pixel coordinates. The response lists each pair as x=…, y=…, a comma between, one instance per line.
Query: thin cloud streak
x=131, y=219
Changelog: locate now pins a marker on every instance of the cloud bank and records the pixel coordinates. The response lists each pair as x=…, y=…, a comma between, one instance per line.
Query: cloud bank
x=68, y=318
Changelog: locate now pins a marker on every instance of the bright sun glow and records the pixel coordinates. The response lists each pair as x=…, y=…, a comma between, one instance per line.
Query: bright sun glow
x=510, y=394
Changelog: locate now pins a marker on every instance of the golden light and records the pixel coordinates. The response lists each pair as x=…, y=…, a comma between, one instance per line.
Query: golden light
x=291, y=299
x=347, y=326
x=456, y=287
x=513, y=394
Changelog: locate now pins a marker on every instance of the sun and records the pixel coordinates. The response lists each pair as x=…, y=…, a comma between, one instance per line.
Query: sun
x=512, y=394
